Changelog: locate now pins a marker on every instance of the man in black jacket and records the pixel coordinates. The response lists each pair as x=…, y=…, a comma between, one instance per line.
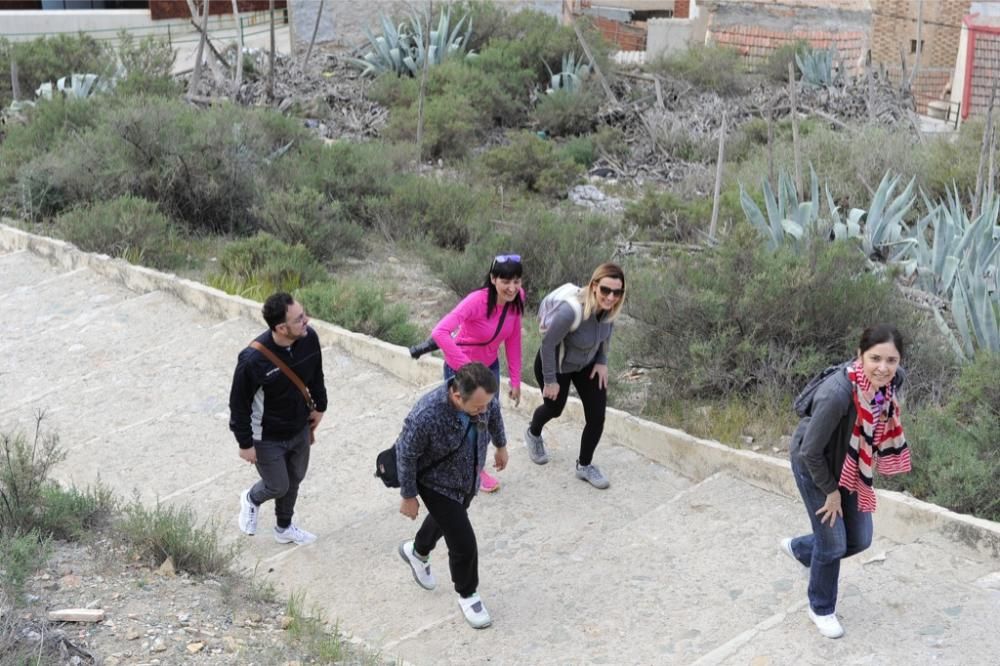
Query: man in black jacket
x=270, y=417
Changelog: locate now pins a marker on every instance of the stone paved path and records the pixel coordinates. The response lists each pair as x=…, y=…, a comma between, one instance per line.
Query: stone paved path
x=656, y=570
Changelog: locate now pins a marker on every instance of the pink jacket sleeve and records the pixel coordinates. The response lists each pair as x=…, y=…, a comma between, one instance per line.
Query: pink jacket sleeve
x=454, y=355
x=512, y=345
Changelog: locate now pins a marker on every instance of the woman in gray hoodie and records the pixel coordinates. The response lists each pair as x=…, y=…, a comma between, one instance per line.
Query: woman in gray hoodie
x=850, y=429
x=574, y=351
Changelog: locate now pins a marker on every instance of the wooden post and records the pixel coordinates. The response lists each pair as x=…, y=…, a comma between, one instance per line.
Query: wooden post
x=423, y=83
x=718, y=178
x=312, y=40
x=270, y=78
x=977, y=198
x=770, y=149
x=238, y=76
x=15, y=81
x=796, y=148
x=196, y=75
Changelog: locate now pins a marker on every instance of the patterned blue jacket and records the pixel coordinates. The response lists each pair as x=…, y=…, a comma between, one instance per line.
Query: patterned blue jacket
x=432, y=450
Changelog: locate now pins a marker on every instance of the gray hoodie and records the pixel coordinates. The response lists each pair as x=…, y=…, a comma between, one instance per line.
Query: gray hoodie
x=579, y=348
x=821, y=439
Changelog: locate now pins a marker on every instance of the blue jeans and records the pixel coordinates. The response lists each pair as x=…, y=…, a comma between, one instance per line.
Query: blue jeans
x=822, y=550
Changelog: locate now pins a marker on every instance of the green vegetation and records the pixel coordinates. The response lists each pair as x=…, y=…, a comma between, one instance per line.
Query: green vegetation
x=361, y=307
x=533, y=164
x=51, y=58
x=259, y=266
x=713, y=68
x=156, y=533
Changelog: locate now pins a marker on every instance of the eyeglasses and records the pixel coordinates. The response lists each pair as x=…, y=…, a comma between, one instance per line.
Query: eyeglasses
x=301, y=319
x=608, y=291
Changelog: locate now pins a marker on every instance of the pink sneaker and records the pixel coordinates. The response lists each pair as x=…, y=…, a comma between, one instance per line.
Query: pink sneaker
x=487, y=483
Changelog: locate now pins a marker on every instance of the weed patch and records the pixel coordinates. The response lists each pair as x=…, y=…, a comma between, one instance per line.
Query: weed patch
x=359, y=306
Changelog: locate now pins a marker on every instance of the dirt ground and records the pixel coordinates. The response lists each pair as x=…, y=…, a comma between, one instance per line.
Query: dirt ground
x=152, y=616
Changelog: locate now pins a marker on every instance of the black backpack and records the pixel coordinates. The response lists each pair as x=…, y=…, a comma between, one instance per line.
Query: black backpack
x=803, y=402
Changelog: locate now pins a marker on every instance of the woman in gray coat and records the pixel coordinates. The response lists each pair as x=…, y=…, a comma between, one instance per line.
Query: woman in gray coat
x=850, y=428
x=574, y=351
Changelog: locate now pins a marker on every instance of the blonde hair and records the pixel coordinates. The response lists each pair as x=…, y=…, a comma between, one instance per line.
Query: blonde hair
x=589, y=299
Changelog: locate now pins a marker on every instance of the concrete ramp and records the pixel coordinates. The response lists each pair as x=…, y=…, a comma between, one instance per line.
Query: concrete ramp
x=660, y=569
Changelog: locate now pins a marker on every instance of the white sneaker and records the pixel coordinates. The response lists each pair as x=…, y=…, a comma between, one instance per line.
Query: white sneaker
x=293, y=534
x=421, y=568
x=248, y=514
x=786, y=548
x=475, y=612
x=828, y=625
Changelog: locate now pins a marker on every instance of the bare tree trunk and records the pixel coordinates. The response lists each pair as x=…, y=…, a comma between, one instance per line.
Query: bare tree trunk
x=196, y=75
x=423, y=83
x=270, y=77
x=15, y=81
x=796, y=148
x=238, y=78
x=718, y=178
x=597, y=70
x=312, y=40
x=977, y=198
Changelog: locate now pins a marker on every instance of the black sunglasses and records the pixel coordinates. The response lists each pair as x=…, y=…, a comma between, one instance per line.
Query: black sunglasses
x=608, y=291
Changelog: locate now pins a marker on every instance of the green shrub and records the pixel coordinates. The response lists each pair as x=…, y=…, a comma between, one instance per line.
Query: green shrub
x=154, y=534
x=203, y=167
x=70, y=513
x=534, y=164
x=420, y=207
x=148, y=63
x=24, y=475
x=580, y=149
x=744, y=320
x=556, y=246
x=956, y=448
x=50, y=123
x=127, y=227
x=259, y=266
x=708, y=68
x=21, y=554
x=304, y=216
x=563, y=113
x=359, y=306
x=664, y=216
x=353, y=174
x=451, y=125
x=776, y=66
x=51, y=58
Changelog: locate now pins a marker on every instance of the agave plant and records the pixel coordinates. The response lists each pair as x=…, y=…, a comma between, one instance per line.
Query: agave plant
x=572, y=75
x=787, y=221
x=75, y=86
x=400, y=49
x=818, y=67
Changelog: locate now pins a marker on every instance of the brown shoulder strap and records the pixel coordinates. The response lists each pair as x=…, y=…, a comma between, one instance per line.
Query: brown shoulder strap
x=288, y=372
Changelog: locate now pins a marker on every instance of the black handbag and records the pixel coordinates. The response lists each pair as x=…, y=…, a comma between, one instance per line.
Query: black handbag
x=385, y=462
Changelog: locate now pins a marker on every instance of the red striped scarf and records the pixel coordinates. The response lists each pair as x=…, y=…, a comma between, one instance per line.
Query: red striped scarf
x=877, y=442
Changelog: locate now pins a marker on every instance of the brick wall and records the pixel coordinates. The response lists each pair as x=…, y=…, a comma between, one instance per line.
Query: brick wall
x=682, y=9
x=628, y=36
x=985, y=66
x=894, y=28
x=756, y=44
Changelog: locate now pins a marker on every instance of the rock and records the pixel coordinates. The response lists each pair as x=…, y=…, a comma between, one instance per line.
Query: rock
x=230, y=644
x=133, y=634
x=285, y=621
x=112, y=661
x=877, y=557
x=184, y=618
x=760, y=660
x=747, y=440
x=69, y=581
x=158, y=645
x=167, y=568
x=591, y=197
x=196, y=647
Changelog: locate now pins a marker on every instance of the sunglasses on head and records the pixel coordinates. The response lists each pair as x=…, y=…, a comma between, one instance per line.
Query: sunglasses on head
x=608, y=291
x=504, y=258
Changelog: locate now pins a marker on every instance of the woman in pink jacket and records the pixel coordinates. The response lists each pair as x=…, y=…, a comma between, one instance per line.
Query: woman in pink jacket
x=478, y=325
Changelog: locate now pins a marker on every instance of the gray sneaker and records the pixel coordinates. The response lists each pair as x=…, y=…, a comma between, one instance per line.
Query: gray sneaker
x=592, y=475
x=536, y=448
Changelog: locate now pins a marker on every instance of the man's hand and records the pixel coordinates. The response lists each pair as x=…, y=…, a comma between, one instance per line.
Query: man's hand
x=515, y=395
x=314, y=419
x=409, y=507
x=500, y=458
x=831, y=509
x=601, y=371
x=550, y=391
x=250, y=455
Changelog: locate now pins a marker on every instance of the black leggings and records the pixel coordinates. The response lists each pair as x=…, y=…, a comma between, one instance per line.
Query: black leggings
x=594, y=399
